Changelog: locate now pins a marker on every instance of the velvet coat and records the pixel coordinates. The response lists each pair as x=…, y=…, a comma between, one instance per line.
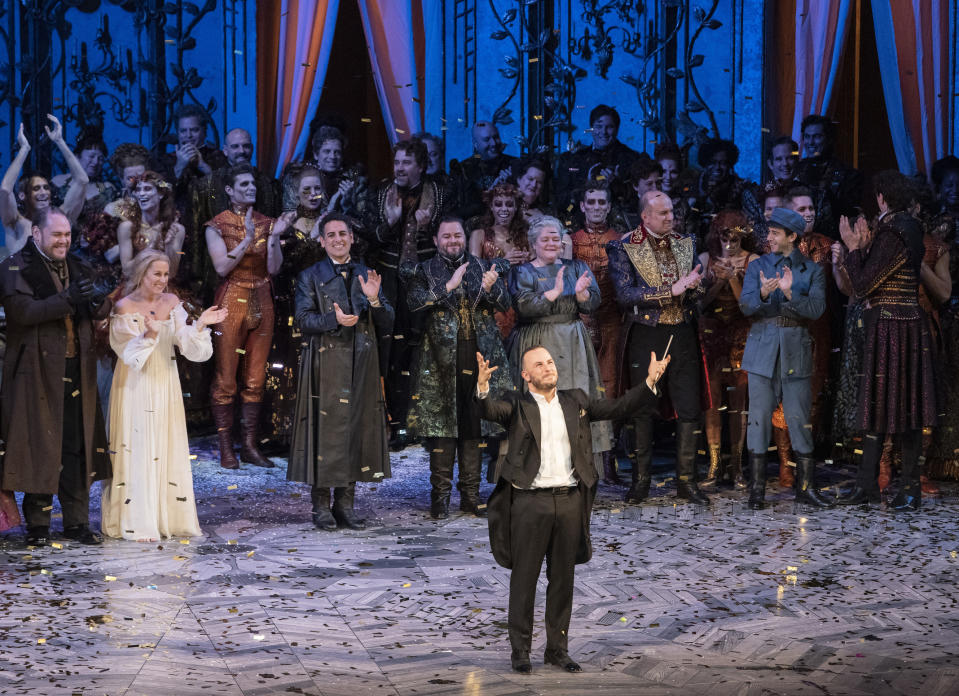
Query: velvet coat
x=339, y=427
x=433, y=412
x=31, y=416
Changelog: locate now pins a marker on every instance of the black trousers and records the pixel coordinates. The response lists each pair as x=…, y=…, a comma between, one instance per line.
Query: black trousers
x=543, y=525
x=399, y=351
x=683, y=378
x=74, y=488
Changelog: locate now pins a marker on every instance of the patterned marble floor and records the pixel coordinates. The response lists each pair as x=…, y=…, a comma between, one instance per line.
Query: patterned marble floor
x=675, y=601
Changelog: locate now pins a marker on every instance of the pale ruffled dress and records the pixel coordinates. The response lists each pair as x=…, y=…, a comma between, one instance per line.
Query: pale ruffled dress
x=151, y=493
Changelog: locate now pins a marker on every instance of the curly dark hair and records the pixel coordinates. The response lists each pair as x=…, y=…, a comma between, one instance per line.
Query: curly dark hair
x=642, y=168
x=191, y=111
x=518, y=225
x=896, y=189
x=129, y=155
x=415, y=147
x=714, y=145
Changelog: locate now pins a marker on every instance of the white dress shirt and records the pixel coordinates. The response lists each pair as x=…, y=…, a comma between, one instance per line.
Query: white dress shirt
x=555, y=453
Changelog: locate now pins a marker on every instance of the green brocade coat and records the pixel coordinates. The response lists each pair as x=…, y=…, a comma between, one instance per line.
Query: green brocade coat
x=433, y=411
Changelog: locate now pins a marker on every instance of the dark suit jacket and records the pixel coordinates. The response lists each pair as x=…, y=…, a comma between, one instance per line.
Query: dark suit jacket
x=520, y=415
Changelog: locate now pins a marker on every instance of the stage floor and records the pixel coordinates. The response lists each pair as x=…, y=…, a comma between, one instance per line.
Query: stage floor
x=675, y=601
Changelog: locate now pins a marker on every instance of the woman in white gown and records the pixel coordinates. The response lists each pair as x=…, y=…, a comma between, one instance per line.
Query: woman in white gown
x=151, y=493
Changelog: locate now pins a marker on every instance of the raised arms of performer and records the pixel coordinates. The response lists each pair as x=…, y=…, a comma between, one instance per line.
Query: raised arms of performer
x=77, y=190
x=9, y=213
x=501, y=411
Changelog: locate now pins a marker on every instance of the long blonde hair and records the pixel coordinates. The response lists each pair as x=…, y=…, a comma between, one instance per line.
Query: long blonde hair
x=141, y=264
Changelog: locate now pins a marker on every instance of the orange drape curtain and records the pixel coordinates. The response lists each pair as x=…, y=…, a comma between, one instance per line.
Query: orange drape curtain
x=396, y=42
x=916, y=34
x=295, y=38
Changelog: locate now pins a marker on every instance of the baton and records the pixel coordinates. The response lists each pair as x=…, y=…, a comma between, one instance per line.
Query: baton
x=668, y=344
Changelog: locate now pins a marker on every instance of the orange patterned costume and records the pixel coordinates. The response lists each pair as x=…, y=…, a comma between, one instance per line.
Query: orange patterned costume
x=605, y=324
x=247, y=332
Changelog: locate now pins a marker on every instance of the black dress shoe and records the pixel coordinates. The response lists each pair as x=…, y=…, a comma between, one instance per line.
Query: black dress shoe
x=520, y=662
x=38, y=536
x=904, y=502
x=82, y=534
x=562, y=660
x=858, y=496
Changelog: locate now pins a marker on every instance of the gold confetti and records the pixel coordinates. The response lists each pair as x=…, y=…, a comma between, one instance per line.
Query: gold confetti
x=57, y=545
x=232, y=487
x=110, y=578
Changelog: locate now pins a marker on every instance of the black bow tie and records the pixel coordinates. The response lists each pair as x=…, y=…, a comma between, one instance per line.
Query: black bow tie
x=341, y=268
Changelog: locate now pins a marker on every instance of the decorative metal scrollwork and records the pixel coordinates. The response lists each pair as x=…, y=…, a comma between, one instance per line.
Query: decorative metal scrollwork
x=559, y=90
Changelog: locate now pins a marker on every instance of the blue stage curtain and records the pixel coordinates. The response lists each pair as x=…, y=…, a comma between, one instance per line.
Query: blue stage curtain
x=821, y=29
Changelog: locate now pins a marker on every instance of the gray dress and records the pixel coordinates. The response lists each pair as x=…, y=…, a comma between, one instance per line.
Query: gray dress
x=557, y=327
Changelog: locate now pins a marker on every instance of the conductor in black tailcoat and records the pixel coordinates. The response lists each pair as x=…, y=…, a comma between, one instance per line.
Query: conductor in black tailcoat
x=542, y=501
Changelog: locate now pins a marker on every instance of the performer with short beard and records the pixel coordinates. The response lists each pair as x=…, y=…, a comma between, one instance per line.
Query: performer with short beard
x=458, y=295
x=51, y=420
x=544, y=495
x=402, y=220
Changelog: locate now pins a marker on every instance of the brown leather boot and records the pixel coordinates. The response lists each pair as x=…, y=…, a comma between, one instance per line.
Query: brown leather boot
x=223, y=419
x=249, y=452
x=785, y=452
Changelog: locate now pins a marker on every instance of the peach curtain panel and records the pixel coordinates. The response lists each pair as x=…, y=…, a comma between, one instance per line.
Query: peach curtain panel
x=296, y=36
x=395, y=39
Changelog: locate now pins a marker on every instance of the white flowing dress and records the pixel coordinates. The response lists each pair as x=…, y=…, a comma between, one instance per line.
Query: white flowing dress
x=151, y=492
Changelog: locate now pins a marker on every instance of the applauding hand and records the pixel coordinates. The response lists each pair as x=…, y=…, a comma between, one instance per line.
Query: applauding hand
x=554, y=294
x=489, y=279
x=344, y=319
x=767, y=286
x=371, y=285
x=457, y=277
x=211, y=315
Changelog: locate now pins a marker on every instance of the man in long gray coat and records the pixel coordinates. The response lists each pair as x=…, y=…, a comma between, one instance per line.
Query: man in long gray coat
x=339, y=430
x=782, y=291
x=51, y=420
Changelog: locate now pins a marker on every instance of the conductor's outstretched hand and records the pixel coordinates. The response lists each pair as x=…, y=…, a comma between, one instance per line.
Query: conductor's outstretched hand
x=483, y=372
x=656, y=369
